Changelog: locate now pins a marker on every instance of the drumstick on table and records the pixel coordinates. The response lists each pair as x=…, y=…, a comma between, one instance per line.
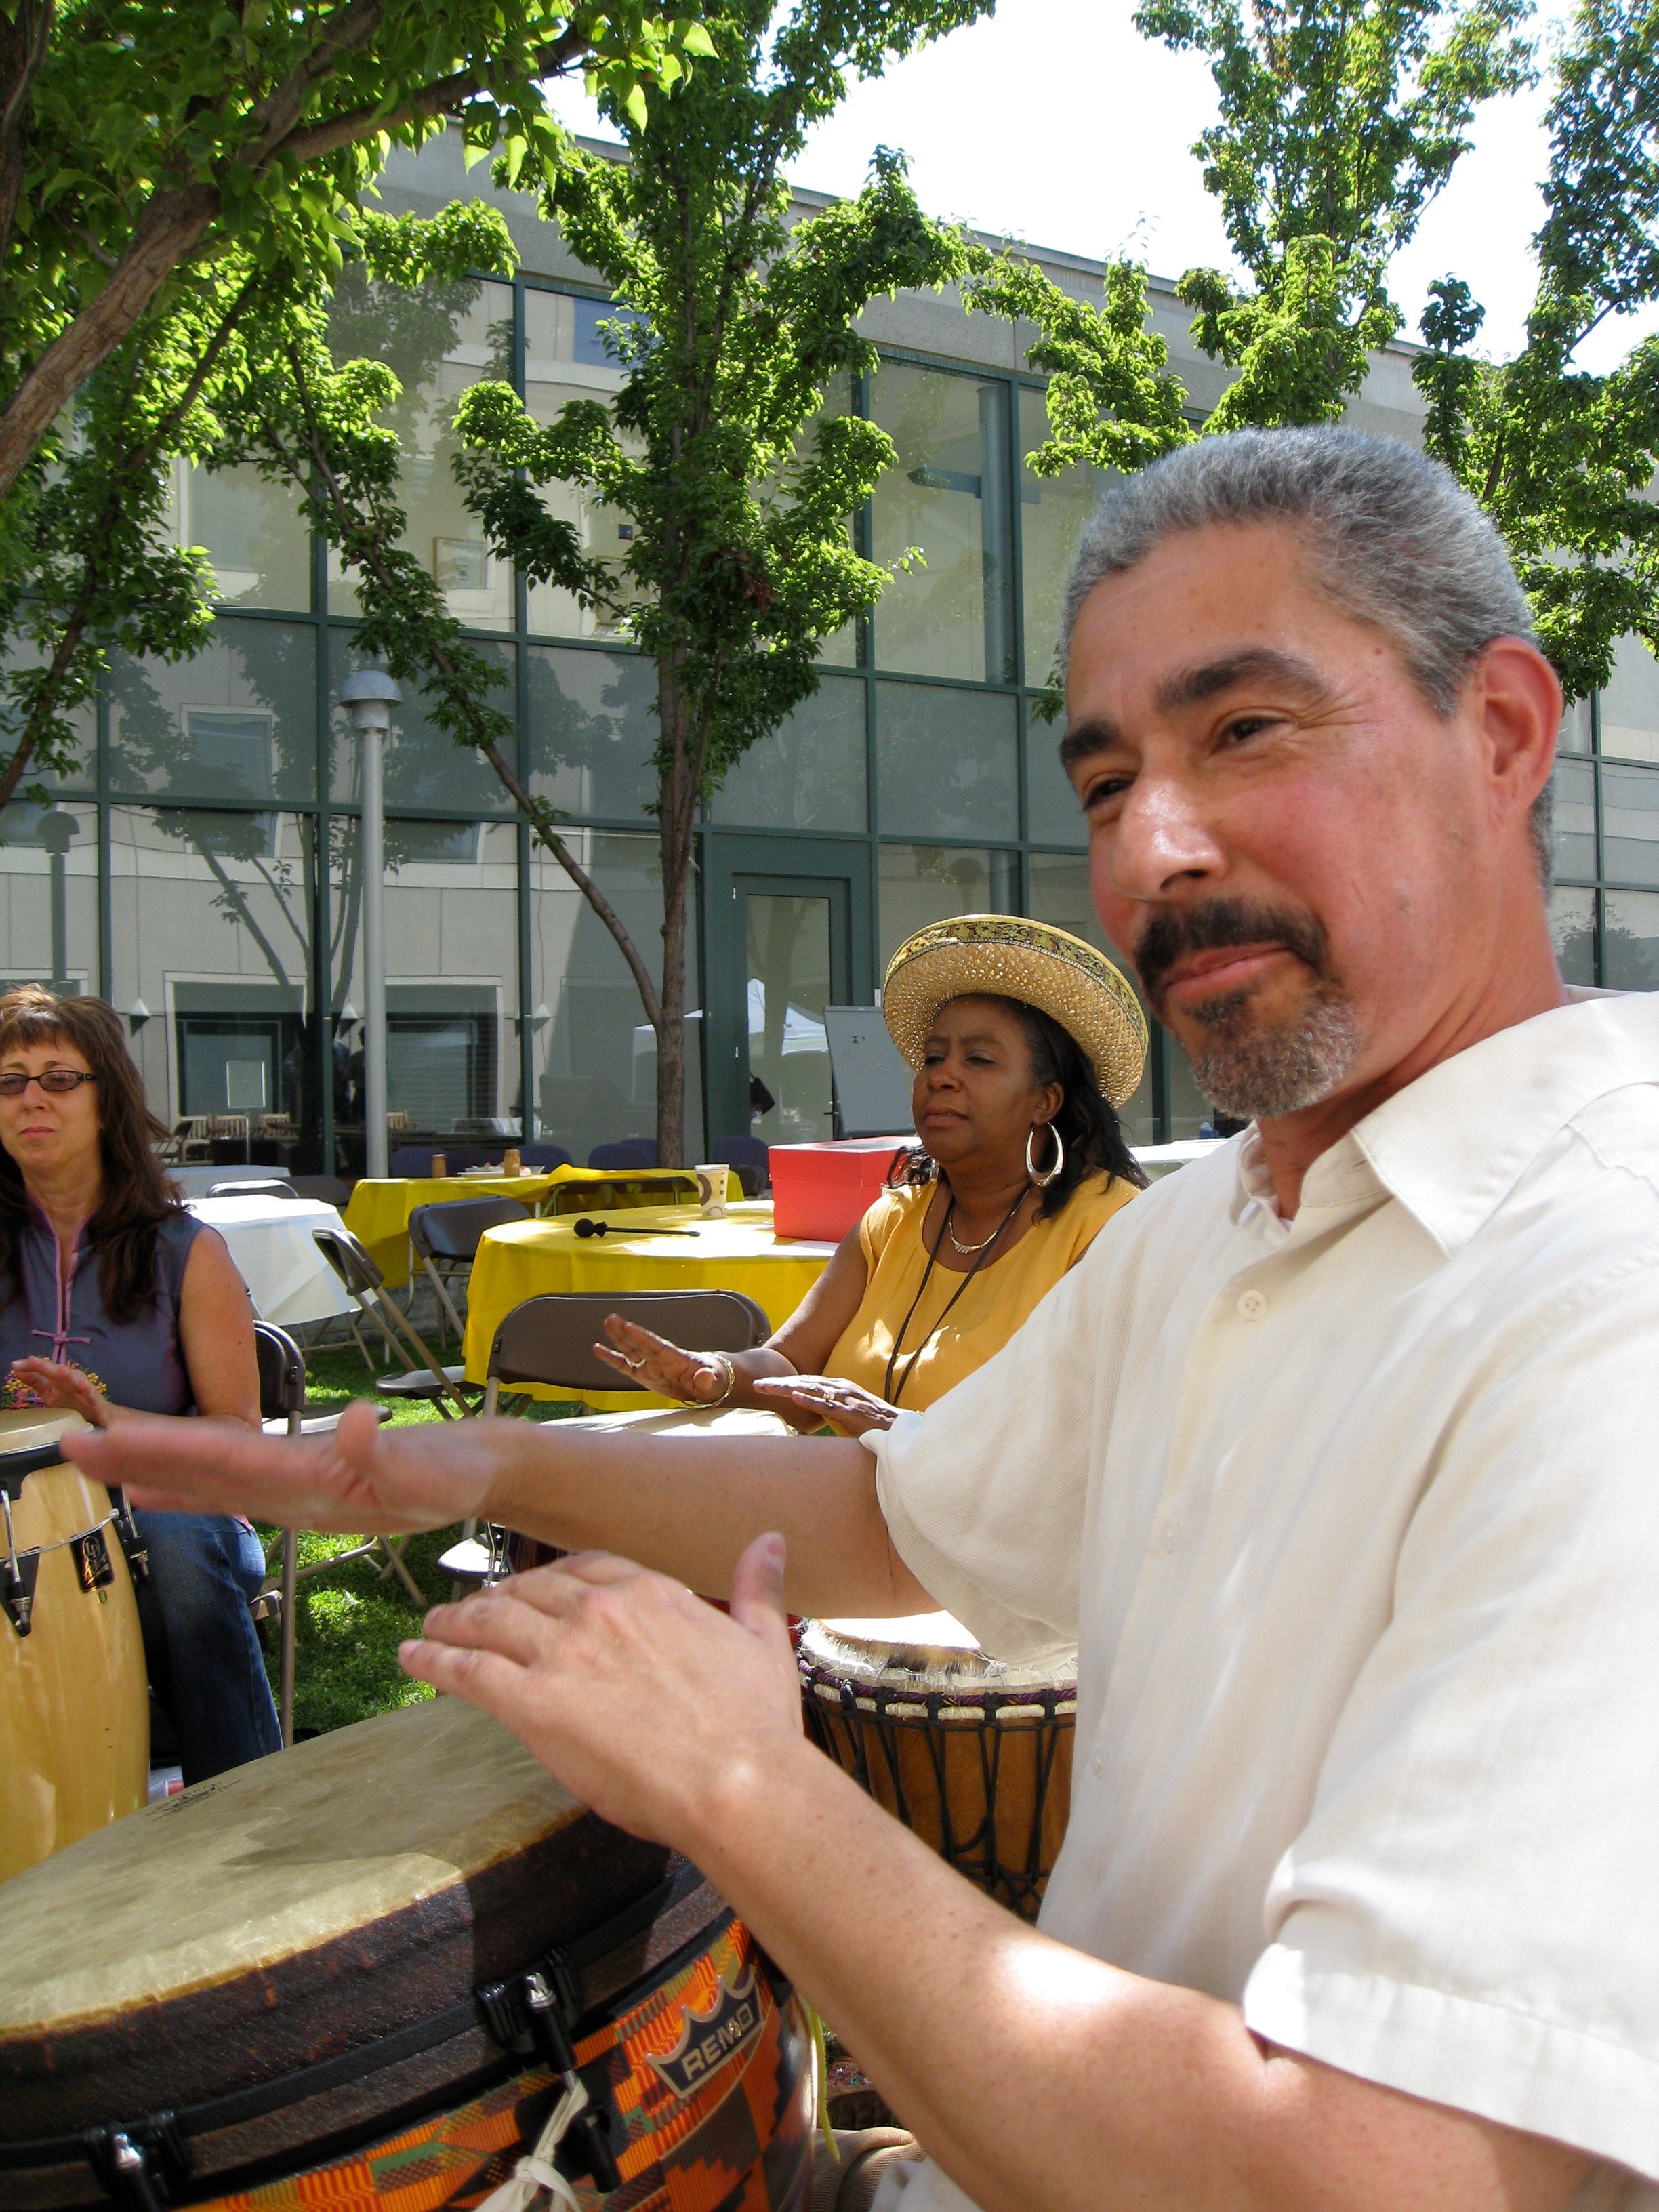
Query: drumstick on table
x=586, y=1228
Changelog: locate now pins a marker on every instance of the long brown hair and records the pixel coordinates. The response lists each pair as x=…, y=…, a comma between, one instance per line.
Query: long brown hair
x=138, y=1196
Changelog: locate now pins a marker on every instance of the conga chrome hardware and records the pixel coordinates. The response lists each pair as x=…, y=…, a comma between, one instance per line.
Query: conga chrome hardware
x=137, y=1551
x=545, y=2005
x=17, y=1577
x=140, y=2163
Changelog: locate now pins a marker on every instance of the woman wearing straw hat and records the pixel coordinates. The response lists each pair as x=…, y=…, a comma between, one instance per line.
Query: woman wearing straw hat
x=1024, y=1041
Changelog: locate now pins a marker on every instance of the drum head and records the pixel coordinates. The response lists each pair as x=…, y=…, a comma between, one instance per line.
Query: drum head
x=290, y=1911
x=28, y=1439
x=920, y=1652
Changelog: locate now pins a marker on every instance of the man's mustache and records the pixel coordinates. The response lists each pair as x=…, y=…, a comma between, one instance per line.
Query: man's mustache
x=1175, y=932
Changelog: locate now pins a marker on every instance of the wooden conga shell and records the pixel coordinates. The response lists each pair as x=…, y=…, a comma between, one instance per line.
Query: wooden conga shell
x=972, y=1754
x=74, y=1704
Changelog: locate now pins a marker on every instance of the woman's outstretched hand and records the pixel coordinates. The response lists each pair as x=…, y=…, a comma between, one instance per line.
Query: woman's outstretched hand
x=355, y=1477
x=826, y=1398
x=67, y=1389
x=658, y=1366
x=642, y=1699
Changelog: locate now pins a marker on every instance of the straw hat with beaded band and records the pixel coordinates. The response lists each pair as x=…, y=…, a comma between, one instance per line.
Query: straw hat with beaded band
x=1003, y=955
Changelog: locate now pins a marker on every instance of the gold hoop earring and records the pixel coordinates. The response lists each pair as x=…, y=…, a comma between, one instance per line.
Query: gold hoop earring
x=1043, y=1182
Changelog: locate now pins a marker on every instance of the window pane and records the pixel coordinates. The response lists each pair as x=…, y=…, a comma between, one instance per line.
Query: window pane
x=1051, y=805
x=1630, y=705
x=438, y=340
x=840, y=651
x=82, y=776
x=566, y=357
x=945, y=763
x=596, y=1055
x=593, y=731
x=422, y=767
x=49, y=897
x=810, y=774
x=1575, y=736
x=252, y=531
x=1631, y=941
x=1060, y=894
x=946, y=496
x=1630, y=825
x=1574, y=820
x=1052, y=512
x=452, y=990
x=211, y=932
x=238, y=722
x=1572, y=933
x=788, y=988
x=922, y=883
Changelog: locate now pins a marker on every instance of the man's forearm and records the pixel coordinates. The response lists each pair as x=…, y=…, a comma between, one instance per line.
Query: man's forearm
x=687, y=1506
x=1150, y=2095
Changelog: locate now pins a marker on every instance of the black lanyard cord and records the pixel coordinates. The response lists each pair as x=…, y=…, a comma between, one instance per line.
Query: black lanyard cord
x=888, y=1392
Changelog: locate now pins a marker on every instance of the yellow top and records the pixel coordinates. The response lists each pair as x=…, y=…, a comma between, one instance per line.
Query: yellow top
x=992, y=1307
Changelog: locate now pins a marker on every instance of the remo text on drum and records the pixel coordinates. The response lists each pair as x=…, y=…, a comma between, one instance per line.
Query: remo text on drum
x=973, y=1754
x=372, y=1973
x=74, y=1706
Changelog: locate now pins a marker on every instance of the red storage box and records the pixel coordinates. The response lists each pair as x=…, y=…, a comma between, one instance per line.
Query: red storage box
x=824, y=1190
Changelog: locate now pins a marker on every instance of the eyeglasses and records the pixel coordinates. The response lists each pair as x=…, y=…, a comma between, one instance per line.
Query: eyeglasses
x=58, y=1081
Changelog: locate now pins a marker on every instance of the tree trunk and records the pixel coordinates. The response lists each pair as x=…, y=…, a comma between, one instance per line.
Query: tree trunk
x=677, y=825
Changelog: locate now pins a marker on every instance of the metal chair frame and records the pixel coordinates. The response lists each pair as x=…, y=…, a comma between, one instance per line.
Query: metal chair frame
x=365, y=1287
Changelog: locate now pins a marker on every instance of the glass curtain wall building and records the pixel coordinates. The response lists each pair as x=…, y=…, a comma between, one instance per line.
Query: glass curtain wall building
x=201, y=868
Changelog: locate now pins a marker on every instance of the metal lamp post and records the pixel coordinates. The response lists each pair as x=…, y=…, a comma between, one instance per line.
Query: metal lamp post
x=368, y=697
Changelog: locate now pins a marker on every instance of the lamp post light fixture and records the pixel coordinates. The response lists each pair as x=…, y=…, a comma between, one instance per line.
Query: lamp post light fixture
x=368, y=696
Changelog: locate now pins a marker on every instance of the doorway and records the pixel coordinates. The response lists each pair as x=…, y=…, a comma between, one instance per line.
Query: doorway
x=788, y=932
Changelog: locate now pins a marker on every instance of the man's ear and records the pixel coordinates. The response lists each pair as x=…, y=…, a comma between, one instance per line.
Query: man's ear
x=1515, y=696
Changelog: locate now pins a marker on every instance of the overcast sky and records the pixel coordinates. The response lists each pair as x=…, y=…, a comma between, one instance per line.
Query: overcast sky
x=1055, y=123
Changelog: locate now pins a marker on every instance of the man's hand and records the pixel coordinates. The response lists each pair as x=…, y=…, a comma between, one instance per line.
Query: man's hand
x=644, y=1701
x=826, y=1398
x=356, y=1478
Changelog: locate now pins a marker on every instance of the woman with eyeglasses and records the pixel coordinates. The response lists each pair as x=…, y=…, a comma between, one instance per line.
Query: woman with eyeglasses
x=114, y=1300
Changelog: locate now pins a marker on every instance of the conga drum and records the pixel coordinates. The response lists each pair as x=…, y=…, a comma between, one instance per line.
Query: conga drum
x=974, y=1754
x=371, y=1974
x=74, y=1700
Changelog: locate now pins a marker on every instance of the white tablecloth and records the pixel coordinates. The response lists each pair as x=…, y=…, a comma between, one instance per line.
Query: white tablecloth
x=271, y=1240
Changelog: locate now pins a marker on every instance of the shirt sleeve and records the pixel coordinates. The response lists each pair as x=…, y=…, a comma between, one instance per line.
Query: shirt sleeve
x=1471, y=1913
x=878, y=1224
x=994, y=1546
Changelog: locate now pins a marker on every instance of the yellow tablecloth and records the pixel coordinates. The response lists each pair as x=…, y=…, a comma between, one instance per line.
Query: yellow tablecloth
x=547, y=1258
x=377, y=1213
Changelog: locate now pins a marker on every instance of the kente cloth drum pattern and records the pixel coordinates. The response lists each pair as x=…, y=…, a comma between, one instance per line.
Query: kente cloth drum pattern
x=708, y=2080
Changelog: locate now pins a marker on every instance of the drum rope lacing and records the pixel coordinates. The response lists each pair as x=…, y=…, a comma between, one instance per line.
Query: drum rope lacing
x=535, y=2173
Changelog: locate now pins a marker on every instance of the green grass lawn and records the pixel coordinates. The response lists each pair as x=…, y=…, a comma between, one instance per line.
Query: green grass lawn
x=350, y=1622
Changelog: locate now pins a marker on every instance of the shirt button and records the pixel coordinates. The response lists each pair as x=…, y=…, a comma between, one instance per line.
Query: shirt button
x=1252, y=1304
x=1168, y=1536
x=1097, y=1765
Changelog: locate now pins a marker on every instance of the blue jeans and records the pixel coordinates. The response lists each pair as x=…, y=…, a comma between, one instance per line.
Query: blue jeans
x=204, y=1568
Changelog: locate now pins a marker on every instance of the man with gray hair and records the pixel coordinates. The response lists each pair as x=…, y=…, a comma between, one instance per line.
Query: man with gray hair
x=1334, y=1456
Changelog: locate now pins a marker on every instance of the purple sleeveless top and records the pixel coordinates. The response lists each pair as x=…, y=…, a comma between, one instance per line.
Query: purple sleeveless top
x=139, y=1362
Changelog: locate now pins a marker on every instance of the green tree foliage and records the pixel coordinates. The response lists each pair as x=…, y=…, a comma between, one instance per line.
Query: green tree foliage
x=1340, y=119
x=731, y=326
x=1563, y=460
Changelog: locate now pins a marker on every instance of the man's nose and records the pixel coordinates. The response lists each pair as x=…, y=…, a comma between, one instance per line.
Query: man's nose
x=1162, y=837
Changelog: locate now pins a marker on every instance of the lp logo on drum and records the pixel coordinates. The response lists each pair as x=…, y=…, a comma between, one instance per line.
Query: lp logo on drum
x=708, y=2040
x=92, y=1562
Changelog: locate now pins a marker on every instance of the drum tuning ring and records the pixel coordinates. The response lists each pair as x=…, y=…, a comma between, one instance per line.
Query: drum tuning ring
x=546, y=2002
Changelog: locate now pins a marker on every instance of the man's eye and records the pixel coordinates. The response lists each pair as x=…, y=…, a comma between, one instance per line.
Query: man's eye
x=1102, y=792
x=1243, y=727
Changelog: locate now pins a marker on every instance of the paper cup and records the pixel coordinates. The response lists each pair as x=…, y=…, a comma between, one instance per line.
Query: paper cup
x=711, y=1189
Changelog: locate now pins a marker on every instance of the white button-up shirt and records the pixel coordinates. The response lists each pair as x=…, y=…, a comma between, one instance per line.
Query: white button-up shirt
x=1355, y=1519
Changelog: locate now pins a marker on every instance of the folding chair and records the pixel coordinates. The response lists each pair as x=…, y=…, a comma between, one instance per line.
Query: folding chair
x=444, y=1238
x=550, y=1341
x=365, y=1286
x=617, y=1193
x=626, y=1153
x=275, y=1186
x=282, y=1411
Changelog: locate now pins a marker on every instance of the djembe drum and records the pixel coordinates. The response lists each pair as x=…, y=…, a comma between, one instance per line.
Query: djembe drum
x=74, y=1701
x=369, y=1974
x=974, y=1754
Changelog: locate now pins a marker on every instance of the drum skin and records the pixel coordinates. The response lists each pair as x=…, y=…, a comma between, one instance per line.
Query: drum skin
x=973, y=1754
x=74, y=1704
x=287, y=1960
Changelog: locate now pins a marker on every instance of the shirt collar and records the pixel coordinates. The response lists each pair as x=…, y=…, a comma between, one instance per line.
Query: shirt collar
x=1452, y=1146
